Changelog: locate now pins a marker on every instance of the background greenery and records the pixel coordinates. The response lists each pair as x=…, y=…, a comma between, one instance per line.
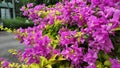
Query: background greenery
x=36, y=2
x=17, y=23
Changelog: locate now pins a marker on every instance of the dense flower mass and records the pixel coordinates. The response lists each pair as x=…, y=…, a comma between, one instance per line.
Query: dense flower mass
x=115, y=63
x=74, y=31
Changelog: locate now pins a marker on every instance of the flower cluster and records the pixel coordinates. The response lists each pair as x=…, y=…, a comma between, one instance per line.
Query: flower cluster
x=84, y=31
x=115, y=63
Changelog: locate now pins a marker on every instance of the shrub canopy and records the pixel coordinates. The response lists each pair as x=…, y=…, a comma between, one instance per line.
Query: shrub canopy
x=73, y=33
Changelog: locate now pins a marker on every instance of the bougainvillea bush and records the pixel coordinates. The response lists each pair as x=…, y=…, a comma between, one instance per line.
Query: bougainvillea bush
x=69, y=34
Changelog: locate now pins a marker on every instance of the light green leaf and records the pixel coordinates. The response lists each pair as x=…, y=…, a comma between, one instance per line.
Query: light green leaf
x=43, y=61
x=107, y=63
x=61, y=58
x=116, y=29
x=52, y=59
x=99, y=65
x=48, y=66
x=34, y=65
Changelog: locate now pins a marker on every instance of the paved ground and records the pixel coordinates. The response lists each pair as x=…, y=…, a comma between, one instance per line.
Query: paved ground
x=7, y=41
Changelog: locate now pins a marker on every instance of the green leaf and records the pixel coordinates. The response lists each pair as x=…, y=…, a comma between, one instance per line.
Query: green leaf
x=107, y=63
x=34, y=65
x=116, y=29
x=48, y=66
x=106, y=56
x=99, y=65
x=61, y=66
x=52, y=59
x=61, y=58
x=54, y=56
x=43, y=61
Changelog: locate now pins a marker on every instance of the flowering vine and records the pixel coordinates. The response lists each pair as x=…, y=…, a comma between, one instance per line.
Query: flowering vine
x=74, y=32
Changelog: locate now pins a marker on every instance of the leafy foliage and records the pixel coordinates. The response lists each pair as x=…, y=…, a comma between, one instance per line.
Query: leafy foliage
x=16, y=23
x=73, y=34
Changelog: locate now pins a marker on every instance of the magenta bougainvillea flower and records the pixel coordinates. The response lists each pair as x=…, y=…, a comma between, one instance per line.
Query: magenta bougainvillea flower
x=115, y=63
x=77, y=30
x=92, y=22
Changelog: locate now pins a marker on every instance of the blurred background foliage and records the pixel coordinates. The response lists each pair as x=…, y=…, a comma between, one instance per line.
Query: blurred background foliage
x=20, y=3
x=20, y=19
x=19, y=22
x=36, y=2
